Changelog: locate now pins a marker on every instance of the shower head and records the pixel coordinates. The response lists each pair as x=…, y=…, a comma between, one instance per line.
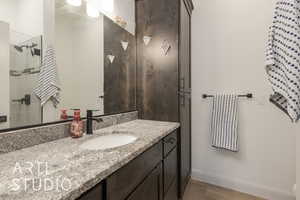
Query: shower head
x=34, y=51
x=32, y=46
x=19, y=48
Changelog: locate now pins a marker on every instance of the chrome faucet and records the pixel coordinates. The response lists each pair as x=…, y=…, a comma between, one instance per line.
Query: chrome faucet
x=89, y=121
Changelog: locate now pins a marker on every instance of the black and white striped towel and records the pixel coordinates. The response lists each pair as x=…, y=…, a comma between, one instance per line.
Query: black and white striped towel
x=224, y=122
x=283, y=57
x=48, y=83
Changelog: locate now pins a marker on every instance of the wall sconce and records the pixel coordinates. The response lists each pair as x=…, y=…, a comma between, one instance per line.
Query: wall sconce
x=147, y=39
x=111, y=58
x=124, y=45
x=74, y=2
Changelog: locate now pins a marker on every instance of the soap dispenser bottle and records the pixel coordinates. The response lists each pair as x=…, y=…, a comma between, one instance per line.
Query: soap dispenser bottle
x=77, y=125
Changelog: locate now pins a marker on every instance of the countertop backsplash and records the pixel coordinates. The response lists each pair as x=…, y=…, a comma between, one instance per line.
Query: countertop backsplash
x=19, y=139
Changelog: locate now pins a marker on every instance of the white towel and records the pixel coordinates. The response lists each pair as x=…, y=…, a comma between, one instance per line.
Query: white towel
x=283, y=57
x=48, y=84
x=224, y=122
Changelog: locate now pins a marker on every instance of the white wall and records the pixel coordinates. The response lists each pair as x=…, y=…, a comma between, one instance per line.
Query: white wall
x=228, y=53
x=24, y=16
x=25, y=20
x=79, y=46
x=298, y=167
x=126, y=10
x=4, y=71
x=49, y=112
x=122, y=8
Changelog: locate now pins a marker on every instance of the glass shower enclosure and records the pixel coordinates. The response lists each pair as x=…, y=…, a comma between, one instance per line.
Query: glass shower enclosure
x=25, y=64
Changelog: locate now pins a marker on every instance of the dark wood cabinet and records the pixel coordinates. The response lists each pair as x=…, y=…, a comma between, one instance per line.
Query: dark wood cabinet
x=153, y=175
x=170, y=170
x=164, y=78
x=125, y=180
x=170, y=142
x=96, y=193
x=170, y=166
x=185, y=93
x=151, y=188
x=172, y=193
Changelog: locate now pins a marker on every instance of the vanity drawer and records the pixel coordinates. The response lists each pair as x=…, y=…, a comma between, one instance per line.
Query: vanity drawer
x=170, y=170
x=125, y=180
x=170, y=142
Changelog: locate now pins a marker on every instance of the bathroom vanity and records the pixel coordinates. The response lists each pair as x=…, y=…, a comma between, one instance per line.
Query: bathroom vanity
x=121, y=59
x=147, y=168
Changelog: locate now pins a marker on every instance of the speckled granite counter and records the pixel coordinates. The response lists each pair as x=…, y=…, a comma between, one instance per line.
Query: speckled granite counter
x=61, y=170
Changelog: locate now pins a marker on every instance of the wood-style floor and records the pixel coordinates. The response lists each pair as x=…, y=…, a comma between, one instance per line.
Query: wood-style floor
x=202, y=191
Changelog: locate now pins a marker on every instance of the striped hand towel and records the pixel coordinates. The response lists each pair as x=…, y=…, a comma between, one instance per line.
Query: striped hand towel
x=224, y=122
x=48, y=83
x=283, y=57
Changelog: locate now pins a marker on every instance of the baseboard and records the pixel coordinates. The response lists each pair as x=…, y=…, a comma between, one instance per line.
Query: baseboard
x=242, y=186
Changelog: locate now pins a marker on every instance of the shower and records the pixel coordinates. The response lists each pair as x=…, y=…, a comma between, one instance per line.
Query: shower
x=34, y=51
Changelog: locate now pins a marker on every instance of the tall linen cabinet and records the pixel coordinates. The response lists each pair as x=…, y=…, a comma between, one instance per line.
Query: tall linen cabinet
x=164, y=70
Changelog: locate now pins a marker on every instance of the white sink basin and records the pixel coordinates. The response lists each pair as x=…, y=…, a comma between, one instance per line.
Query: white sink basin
x=108, y=141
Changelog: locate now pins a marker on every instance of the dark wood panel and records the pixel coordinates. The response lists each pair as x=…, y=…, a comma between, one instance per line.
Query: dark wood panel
x=161, y=76
x=125, y=180
x=151, y=188
x=185, y=98
x=119, y=76
x=170, y=170
x=157, y=96
x=170, y=142
x=172, y=193
x=95, y=193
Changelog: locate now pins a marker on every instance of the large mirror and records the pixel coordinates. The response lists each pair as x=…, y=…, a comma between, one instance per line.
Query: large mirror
x=60, y=55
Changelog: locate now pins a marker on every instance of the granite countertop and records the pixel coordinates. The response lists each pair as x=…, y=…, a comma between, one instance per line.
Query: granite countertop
x=61, y=170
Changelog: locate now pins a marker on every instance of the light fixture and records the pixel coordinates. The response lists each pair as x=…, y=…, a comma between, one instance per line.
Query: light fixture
x=91, y=11
x=74, y=2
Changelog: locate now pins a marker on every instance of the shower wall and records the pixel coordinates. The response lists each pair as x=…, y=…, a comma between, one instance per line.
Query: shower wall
x=4, y=71
x=25, y=62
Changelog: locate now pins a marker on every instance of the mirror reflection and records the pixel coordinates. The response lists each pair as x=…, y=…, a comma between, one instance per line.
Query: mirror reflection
x=74, y=54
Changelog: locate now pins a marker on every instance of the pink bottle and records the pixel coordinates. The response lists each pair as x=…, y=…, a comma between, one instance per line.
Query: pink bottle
x=77, y=125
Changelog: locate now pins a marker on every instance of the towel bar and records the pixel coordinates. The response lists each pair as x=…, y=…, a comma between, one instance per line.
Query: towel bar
x=249, y=95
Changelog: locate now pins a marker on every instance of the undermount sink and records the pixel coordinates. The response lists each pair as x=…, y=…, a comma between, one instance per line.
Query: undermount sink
x=108, y=141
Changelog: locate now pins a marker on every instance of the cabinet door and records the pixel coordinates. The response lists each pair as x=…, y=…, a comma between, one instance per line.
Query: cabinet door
x=95, y=193
x=172, y=193
x=170, y=170
x=125, y=180
x=151, y=188
x=185, y=96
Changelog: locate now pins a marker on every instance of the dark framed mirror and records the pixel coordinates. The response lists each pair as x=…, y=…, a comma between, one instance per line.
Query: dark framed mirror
x=60, y=55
